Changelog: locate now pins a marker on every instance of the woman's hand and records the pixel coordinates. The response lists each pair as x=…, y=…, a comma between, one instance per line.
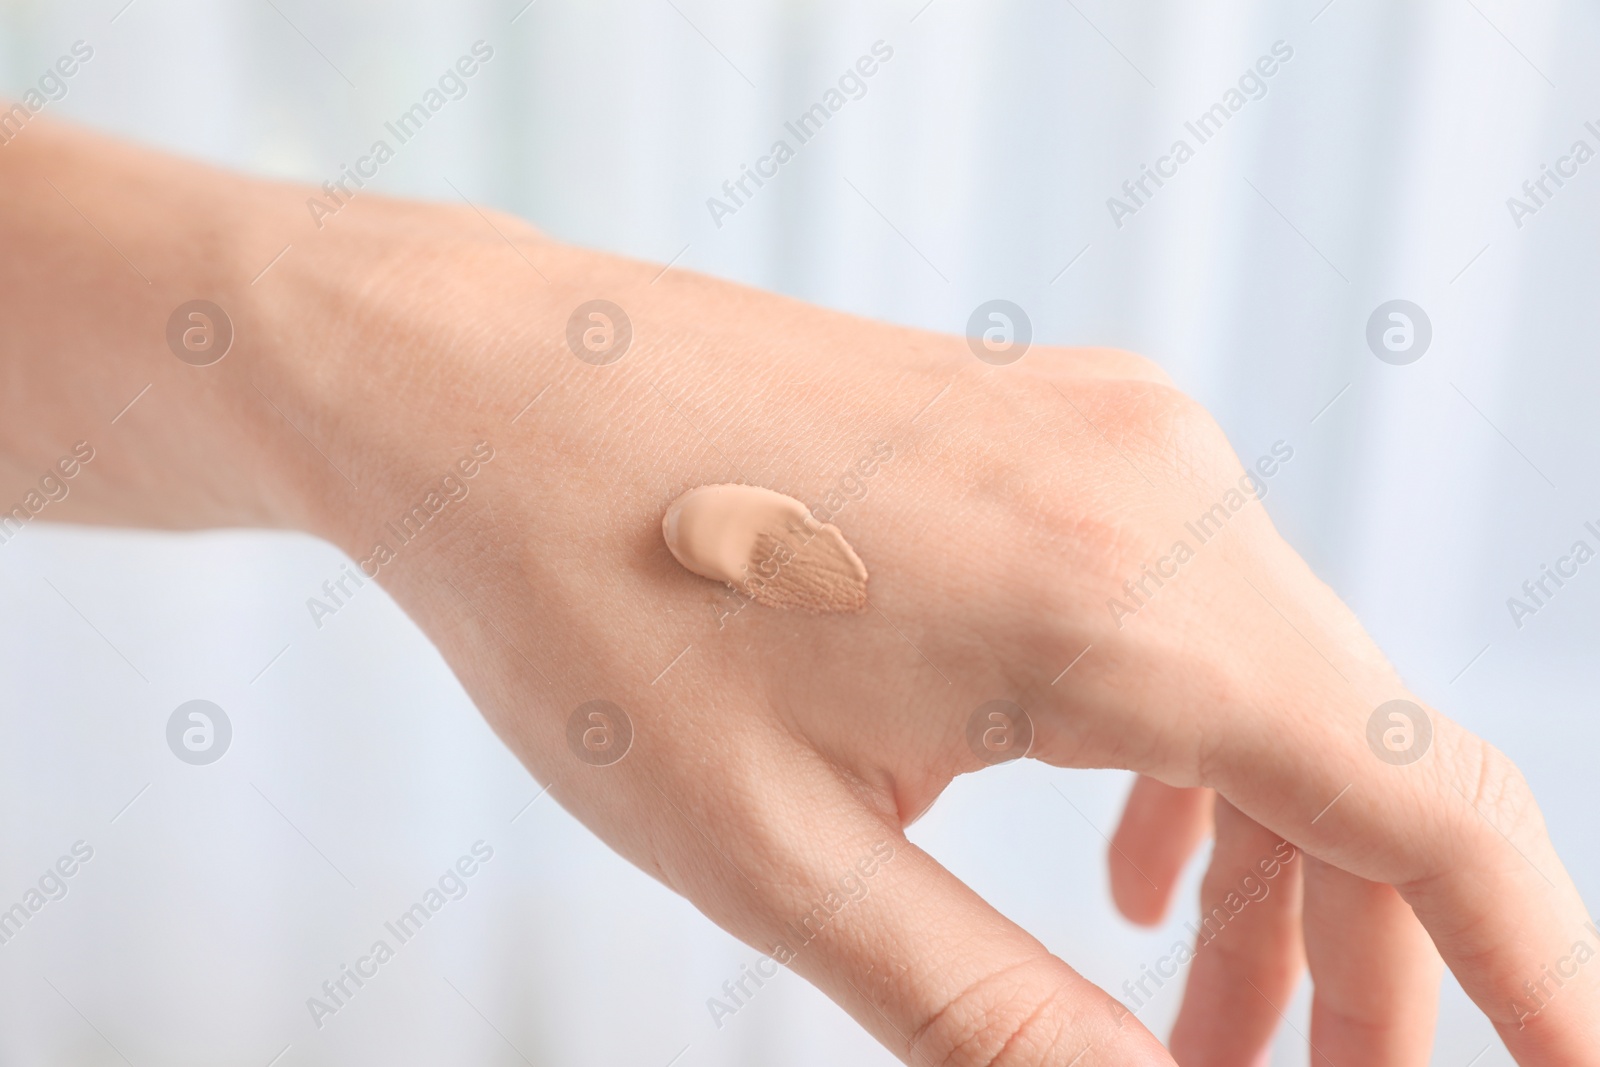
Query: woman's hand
x=1011, y=519
x=1022, y=527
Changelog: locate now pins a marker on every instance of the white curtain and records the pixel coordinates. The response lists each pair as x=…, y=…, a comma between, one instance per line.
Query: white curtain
x=976, y=162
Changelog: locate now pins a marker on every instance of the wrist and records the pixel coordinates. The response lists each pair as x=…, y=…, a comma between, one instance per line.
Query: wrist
x=394, y=343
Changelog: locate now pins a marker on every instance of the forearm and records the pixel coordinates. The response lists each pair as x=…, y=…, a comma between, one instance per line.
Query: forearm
x=99, y=242
x=313, y=413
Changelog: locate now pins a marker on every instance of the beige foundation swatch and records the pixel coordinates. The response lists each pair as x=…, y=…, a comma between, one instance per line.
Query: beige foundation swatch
x=767, y=546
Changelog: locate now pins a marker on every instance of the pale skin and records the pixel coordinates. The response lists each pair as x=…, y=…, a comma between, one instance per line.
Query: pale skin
x=773, y=755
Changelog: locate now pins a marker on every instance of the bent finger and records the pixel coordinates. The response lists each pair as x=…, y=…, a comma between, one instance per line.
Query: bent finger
x=1456, y=831
x=1161, y=827
x=1375, y=972
x=1247, y=953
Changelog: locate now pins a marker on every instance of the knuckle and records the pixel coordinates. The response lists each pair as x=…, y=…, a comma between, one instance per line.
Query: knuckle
x=1167, y=434
x=1496, y=789
x=1109, y=364
x=1135, y=366
x=1008, y=1018
x=1179, y=432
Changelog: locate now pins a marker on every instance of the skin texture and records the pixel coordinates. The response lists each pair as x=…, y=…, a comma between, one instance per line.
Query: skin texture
x=768, y=761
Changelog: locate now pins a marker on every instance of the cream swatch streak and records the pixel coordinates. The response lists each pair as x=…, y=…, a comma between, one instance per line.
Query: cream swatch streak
x=767, y=546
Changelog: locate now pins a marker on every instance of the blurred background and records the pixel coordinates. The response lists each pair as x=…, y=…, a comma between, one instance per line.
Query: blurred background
x=976, y=163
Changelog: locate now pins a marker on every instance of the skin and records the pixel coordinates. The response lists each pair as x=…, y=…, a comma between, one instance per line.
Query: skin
x=776, y=752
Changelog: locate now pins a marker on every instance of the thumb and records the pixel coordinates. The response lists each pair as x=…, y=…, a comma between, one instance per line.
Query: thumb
x=923, y=962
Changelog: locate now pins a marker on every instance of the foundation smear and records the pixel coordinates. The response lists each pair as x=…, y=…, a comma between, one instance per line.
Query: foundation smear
x=767, y=546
